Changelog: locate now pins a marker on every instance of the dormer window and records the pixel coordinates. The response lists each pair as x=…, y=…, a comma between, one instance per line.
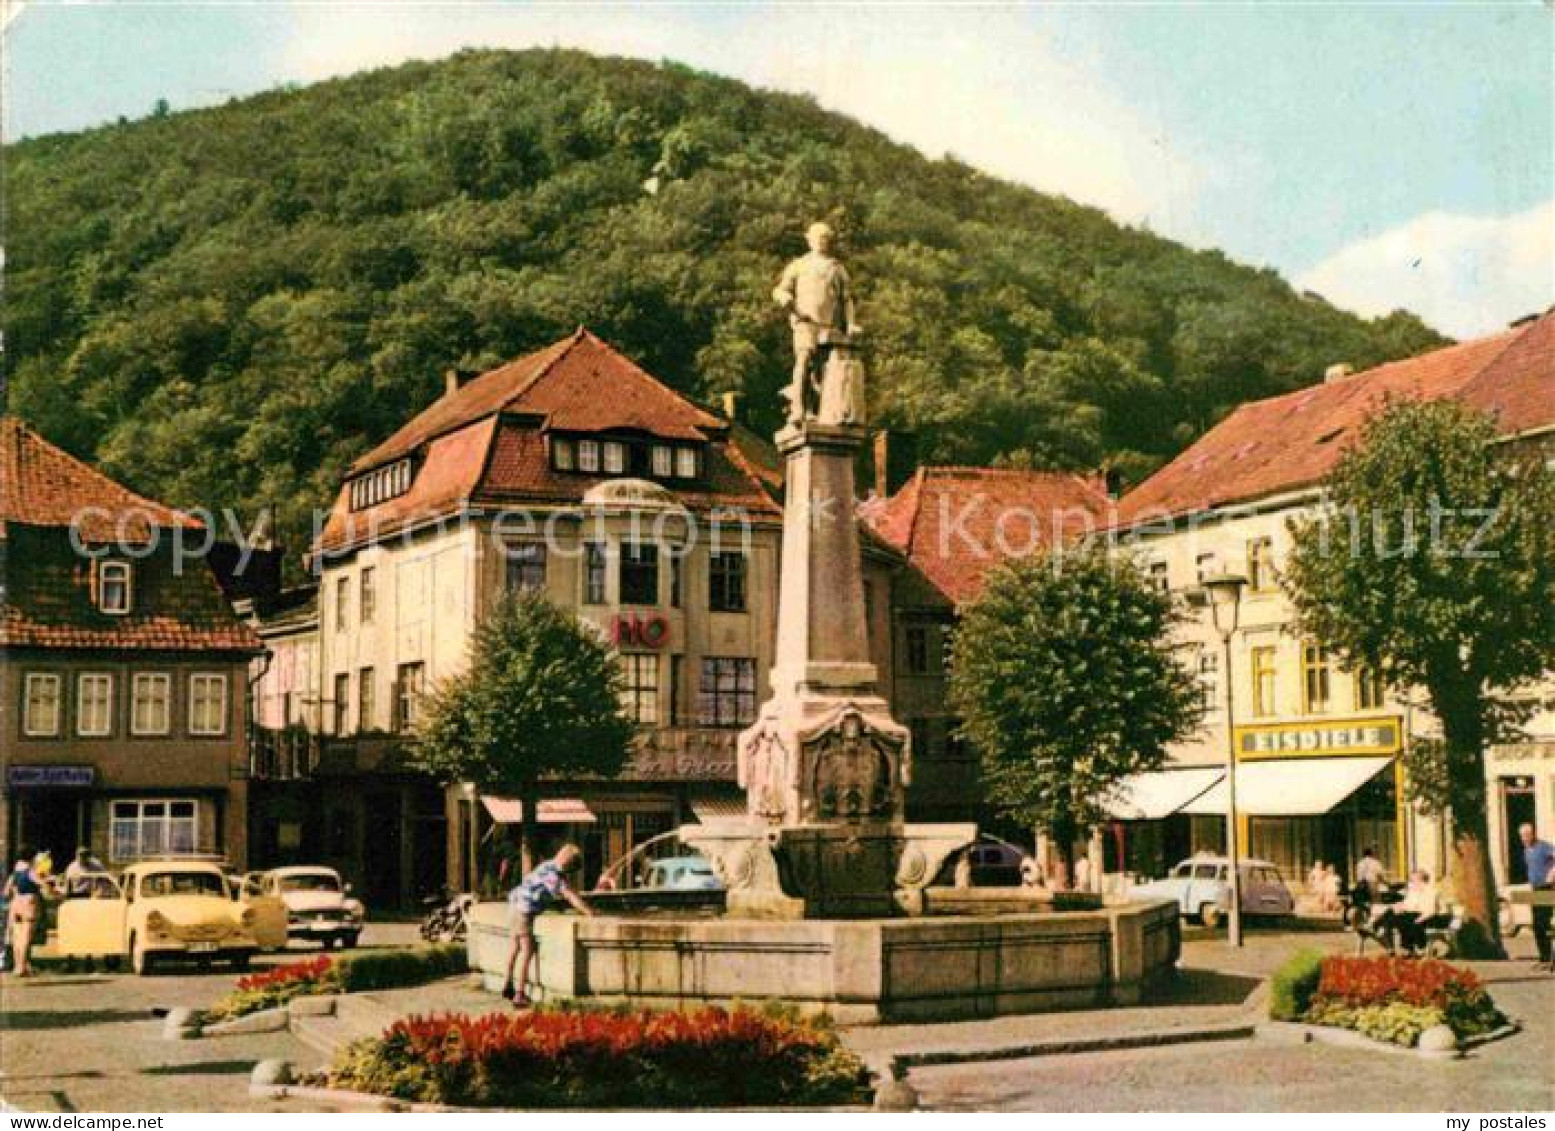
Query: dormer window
x=685, y=463
x=588, y=456
x=113, y=587
x=564, y=454
x=663, y=463
x=615, y=457
x=380, y=485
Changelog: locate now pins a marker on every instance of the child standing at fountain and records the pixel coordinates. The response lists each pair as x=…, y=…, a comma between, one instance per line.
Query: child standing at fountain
x=536, y=894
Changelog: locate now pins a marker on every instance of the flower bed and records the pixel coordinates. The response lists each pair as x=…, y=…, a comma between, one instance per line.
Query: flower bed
x=1385, y=998
x=347, y=974
x=553, y=1058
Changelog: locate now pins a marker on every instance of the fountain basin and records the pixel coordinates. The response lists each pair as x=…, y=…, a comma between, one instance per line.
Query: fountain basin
x=859, y=971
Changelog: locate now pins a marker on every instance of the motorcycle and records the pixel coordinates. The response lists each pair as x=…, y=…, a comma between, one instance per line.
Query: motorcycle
x=447, y=917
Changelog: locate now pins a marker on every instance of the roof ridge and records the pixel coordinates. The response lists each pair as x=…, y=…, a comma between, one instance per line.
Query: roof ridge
x=567, y=345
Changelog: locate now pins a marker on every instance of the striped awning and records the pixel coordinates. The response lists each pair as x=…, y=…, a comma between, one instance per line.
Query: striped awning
x=552, y=811
x=1293, y=787
x=1160, y=793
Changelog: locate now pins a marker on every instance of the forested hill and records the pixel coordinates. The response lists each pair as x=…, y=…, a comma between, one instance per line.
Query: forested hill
x=226, y=306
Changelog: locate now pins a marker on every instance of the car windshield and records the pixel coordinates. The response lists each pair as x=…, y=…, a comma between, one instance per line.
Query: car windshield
x=1205, y=871
x=310, y=881
x=184, y=883
x=1183, y=871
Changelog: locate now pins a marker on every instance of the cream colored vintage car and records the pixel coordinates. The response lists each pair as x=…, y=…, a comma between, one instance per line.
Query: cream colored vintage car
x=164, y=909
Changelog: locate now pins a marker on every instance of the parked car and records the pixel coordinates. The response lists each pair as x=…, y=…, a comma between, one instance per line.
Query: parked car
x=164, y=909
x=319, y=906
x=995, y=864
x=1202, y=890
x=682, y=873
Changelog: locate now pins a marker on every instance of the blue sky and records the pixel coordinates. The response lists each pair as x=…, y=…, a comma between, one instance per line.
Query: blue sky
x=1383, y=154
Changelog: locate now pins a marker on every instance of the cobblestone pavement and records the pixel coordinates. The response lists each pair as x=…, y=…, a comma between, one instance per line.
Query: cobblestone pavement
x=1515, y=1074
x=91, y=1042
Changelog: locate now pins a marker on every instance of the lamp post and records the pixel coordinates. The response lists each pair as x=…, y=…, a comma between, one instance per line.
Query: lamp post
x=1225, y=606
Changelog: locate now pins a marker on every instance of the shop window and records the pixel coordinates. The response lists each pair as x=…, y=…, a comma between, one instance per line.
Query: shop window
x=1316, y=679
x=525, y=566
x=151, y=702
x=726, y=696
x=726, y=582
x=40, y=705
x=1264, y=675
x=593, y=573
x=94, y=704
x=140, y=829
x=113, y=587
x=1260, y=565
x=208, y=704
x=640, y=695
x=639, y=573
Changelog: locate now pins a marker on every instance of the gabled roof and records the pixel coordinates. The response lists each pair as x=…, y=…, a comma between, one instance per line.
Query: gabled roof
x=46, y=600
x=40, y=485
x=1290, y=442
x=579, y=384
x=484, y=444
x=955, y=524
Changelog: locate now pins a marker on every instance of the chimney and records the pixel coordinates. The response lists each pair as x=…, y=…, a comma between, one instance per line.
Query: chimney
x=1337, y=372
x=1108, y=480
x=731, y=406
x=896, y=458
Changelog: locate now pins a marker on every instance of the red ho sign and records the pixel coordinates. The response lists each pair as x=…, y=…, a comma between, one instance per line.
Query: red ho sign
x=640, y=632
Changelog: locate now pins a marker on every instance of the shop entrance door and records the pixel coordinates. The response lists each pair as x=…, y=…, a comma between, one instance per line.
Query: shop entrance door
x=1517, y=808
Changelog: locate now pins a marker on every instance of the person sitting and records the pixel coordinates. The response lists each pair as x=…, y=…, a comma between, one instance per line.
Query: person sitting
x=1403, y=924
x=80, y=873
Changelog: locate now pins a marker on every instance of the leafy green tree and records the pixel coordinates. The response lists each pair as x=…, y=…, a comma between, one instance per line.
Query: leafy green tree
x=1066, y=682
x=1433, y=564
x=541, y=697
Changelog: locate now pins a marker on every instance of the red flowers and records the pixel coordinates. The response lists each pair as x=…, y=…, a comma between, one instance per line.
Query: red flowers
x=561, y=1058
x=313, y=970
x=1378, y=980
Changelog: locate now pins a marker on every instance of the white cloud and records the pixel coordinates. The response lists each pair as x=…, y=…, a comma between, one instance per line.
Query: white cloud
x=1466, y=275
x=978, y=83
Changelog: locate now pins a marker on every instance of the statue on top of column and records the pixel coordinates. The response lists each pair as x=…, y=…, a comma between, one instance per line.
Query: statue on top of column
x=817, y=294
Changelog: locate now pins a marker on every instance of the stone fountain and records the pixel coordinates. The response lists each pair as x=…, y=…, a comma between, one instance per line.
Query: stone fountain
x=829, y=903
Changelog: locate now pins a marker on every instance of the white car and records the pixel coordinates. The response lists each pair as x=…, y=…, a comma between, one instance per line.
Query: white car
x=1201, y=889
x=318, y=905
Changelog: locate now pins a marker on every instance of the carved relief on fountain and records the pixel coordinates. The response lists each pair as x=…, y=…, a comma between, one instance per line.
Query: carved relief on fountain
x=855, y=769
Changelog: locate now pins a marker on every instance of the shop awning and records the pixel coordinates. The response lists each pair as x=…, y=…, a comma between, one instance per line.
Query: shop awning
x=552, y=811
x=1160, y=793
x=706, y=809
x=1292, y=787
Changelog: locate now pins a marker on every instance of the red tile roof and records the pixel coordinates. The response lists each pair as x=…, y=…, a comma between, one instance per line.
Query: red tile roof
x=47, y=596
x=484, y=445
x=577, y=384
x=40, y=485
x=1292, y=441
x=955, y=524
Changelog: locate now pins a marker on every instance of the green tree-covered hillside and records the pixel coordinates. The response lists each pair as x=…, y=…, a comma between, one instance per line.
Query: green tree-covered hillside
x=226, y=306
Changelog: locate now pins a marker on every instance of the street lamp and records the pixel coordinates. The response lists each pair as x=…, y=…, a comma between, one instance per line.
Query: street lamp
x=1225, y=606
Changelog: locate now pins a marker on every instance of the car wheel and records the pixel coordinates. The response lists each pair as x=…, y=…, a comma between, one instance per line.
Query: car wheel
x=140, y=957
x=1209, y=915
x=349, y=940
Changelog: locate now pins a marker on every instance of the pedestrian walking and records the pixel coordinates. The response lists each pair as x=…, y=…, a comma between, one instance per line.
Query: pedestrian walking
x=1539, y=861
x=24, y=896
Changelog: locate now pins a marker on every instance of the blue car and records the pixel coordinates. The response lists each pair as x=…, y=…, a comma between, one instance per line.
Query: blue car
x=1201, y=889
x=682, y=873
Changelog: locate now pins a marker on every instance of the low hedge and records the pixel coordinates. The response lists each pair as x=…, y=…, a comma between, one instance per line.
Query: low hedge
x=1396, y=999
x=1293, y=984
x=592, y=1058
x=372, y=970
